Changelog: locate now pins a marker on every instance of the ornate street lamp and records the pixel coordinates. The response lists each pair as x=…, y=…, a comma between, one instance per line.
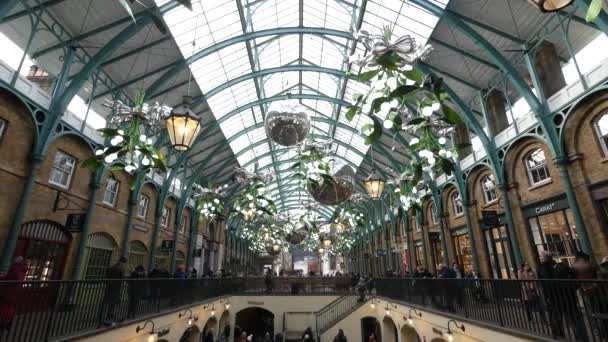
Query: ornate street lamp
x=551, y=5
x=183, y=125
x=374, y=185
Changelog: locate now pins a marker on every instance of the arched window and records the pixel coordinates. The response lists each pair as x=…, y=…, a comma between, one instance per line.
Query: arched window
x=434, y=218
x=536, y=165
x=457, y=203
x=488, y=186
x=100, y=254
x=137, y=254
x=601, y=128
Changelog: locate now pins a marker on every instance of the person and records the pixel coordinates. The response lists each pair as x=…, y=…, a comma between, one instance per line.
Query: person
x=603, y=272
x=267, y=337
x=307, y=336
x=548, y=270
x=268, y=281
x=137, y=289
x=583, y=268
x=449, y=290
x=361, y=289
x=225, y=334
x=113, y=290
x=372, y=337
x=9, y=294
x=180, y=274
x=243, y=337
x=529, y=293
x=340, y=337
x=209, y=336
x=457, y=270
x=193, y=273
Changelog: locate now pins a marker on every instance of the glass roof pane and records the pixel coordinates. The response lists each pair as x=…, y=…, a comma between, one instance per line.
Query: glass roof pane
x=212, y=22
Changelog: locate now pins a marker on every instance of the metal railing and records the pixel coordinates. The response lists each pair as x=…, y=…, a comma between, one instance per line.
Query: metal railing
x=566, y=309
x=53, y=310
x=341, y=307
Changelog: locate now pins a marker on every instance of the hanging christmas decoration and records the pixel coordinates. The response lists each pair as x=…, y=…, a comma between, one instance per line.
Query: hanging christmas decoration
x=211, y=201
x=287, y=122
x=253, y=202
x=129, y=135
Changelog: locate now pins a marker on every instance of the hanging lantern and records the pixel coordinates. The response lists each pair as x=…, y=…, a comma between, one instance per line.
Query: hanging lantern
x=287, y=124
x=374, y=185
x=321, y=250
x=183, y=125
x=339, y=228
x=551, y=5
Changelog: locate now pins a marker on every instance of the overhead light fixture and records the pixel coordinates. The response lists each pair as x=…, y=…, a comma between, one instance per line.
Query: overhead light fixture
x=183, y=125
x=448, y=334
x=374, y=185
x=410, y=320
x=551, y=5
x=154, y=334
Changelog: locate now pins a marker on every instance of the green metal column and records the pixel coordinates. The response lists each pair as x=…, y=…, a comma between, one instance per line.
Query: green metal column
x=86, y=227
x=420, y=220
x=408, y=241
x=511, y=230
x=133, y=202
x=439, y=212
x=462, y=189
x=158, y=214
x=192, y=240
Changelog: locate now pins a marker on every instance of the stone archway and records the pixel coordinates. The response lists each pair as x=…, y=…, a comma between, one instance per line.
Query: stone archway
x=389, y=330
x=192, y=334
x=256, y=321
x=409, y=334
x=210, y=327
x=370, y=325
x=438, y=339
x=224, y=327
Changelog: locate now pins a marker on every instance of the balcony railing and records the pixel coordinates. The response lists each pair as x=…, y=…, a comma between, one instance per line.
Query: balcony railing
x=53, y=310
x=565, y=309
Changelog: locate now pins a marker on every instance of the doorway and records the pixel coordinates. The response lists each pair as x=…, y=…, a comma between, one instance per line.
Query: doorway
x=256, y=321
x=369, y=326
x=390, y=329
x=44, y=246
x=191, y=334
x=409, y=334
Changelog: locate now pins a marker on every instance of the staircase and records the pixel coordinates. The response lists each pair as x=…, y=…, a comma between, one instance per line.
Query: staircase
x=335, y=311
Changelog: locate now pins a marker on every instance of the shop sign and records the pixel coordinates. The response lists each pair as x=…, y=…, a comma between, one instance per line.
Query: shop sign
x=166, y=245
x=459, y=231
x=490, y=218
x=75, y=222
x=140, y=228
x=546, y=207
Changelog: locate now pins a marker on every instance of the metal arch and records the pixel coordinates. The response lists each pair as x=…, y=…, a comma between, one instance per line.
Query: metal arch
x=499, y=59
x=6, y=7
x=154, y=87
x=270, y=71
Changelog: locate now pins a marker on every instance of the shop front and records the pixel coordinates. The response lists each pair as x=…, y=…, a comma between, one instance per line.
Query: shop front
x=498, y=246
x=551, y=227
x=462, y=247
x=436, y=250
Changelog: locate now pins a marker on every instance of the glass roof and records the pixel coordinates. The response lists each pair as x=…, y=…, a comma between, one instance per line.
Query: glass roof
x=239, y=106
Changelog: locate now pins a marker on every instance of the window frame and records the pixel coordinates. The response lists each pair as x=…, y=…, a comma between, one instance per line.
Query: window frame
x=166, y=214
x=3, y=128
x=457, y=202
x=536, y=168
x=603, y=139
x=486, y=191
x=434, y=216
x=70, y=173
x=139, y=200
x=115, y=192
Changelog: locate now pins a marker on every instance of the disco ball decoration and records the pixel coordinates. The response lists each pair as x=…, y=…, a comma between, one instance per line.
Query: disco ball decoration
x=295, y=237
x=287, y=124
x=336, y=192
x=274, y=249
